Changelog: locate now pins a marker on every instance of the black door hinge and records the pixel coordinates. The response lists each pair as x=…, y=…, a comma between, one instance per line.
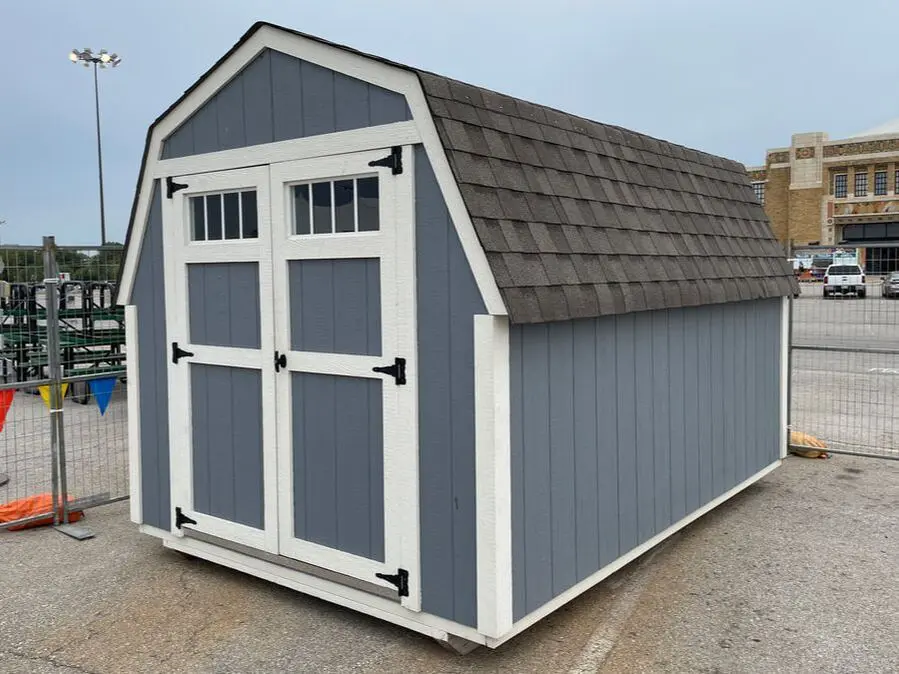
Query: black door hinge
x=178, y=353
x=393, y=161
x=397, y=370
x=400, y=579
x=280, y=361
x=171, y=187
x=181, y=518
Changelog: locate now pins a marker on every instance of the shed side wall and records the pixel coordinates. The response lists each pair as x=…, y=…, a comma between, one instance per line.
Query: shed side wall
x=279, y=97
x=149, y=297
x=621, y=426
x=448, y=299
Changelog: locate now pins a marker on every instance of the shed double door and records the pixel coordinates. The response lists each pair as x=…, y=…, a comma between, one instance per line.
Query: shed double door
x=291, y=377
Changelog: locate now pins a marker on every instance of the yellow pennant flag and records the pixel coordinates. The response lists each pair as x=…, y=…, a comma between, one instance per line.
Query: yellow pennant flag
x=45, y=393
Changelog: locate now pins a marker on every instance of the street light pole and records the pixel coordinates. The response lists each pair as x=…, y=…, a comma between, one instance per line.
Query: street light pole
x=101, y=60
x=100, y=160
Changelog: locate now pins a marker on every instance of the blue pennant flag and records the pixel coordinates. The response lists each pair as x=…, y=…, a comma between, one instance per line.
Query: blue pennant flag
x=102, y=390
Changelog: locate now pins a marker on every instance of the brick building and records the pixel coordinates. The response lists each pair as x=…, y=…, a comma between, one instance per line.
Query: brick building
x=836, y=193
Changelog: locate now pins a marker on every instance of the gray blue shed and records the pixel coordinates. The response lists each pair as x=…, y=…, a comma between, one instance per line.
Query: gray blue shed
x=431, y=352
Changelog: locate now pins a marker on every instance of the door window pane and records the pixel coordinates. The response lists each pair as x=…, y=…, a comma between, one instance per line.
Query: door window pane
x=301, y=209
x=367, y=196
x=232, y=215
x=214, y=217
x=344, y=207
x=198, y=219
x=249, y=215
x=228, y=215
x=321, y=208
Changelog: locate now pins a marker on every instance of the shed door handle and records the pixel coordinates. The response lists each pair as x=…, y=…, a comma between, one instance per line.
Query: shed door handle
x=280, y=361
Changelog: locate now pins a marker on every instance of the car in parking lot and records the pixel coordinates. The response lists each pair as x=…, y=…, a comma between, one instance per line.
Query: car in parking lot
x=890, y=287
x=844, y=279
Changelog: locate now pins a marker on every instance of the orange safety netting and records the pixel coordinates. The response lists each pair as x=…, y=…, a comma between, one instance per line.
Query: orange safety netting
x=40, y=504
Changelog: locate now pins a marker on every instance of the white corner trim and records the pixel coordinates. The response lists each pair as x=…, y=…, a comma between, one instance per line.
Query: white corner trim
x=784, y=376
x=625, y=559
x=468, y=237
x=336, y=593
x=493, y=475
x=133, y=398
x=309, y=147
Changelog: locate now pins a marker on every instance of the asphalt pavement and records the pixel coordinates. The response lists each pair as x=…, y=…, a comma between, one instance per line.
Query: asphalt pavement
x=796, y=574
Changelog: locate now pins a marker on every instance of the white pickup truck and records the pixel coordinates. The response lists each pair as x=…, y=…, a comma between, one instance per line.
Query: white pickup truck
x=844, y=279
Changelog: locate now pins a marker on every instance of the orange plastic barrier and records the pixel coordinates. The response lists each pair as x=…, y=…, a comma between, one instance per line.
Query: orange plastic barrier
x=31, y=506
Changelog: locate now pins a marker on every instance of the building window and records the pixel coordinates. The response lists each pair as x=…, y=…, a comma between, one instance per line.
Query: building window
x=841, y=185
x=759, y=189
x=336, y=206
x=228, y=215
x=880, y=183
x=897, y=182
x=861, y=184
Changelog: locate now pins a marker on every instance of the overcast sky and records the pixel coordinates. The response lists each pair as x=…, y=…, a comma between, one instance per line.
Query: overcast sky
x=732, y=78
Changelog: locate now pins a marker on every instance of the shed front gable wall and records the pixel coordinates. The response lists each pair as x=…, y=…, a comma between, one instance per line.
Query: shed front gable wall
x=448, y=297
x=279, y=97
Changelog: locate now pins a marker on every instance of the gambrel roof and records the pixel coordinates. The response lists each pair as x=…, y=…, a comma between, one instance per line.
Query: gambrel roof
x=583, y=219
x=580, y=219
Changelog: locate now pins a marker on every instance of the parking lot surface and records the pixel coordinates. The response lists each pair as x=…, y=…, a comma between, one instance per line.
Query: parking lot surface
x=796, y=574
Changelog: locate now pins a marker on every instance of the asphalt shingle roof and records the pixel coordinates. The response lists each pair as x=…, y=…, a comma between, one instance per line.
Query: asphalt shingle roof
x=581, y=219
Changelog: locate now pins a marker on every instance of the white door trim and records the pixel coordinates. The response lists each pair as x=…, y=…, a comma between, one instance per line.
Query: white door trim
x=393, y=244
x=179, y=252
x=309, y=147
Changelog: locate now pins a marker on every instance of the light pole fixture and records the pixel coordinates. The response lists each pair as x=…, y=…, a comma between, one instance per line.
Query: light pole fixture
x=102, y=60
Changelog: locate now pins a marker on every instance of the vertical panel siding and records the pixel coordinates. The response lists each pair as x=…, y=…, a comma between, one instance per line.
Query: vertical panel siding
x=695, y=364
x=663, y=475
x=335, y=306
x=447, y=301
x=278, y=97
x=625, y=395
x=561, y=461
x=586, y=476
x=149, y=297
x=226, y=421
x=622, y=426
x=643, y=431
x=677, y=421
x=338, y=458
x=224, y=304
x=607, y=424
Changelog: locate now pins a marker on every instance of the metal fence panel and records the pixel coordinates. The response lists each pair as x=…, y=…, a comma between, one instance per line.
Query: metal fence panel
x=845, y=363
x=60, y=333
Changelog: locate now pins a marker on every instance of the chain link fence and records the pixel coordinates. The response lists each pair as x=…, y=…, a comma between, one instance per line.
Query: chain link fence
x=844, y=350
x=63, y=436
